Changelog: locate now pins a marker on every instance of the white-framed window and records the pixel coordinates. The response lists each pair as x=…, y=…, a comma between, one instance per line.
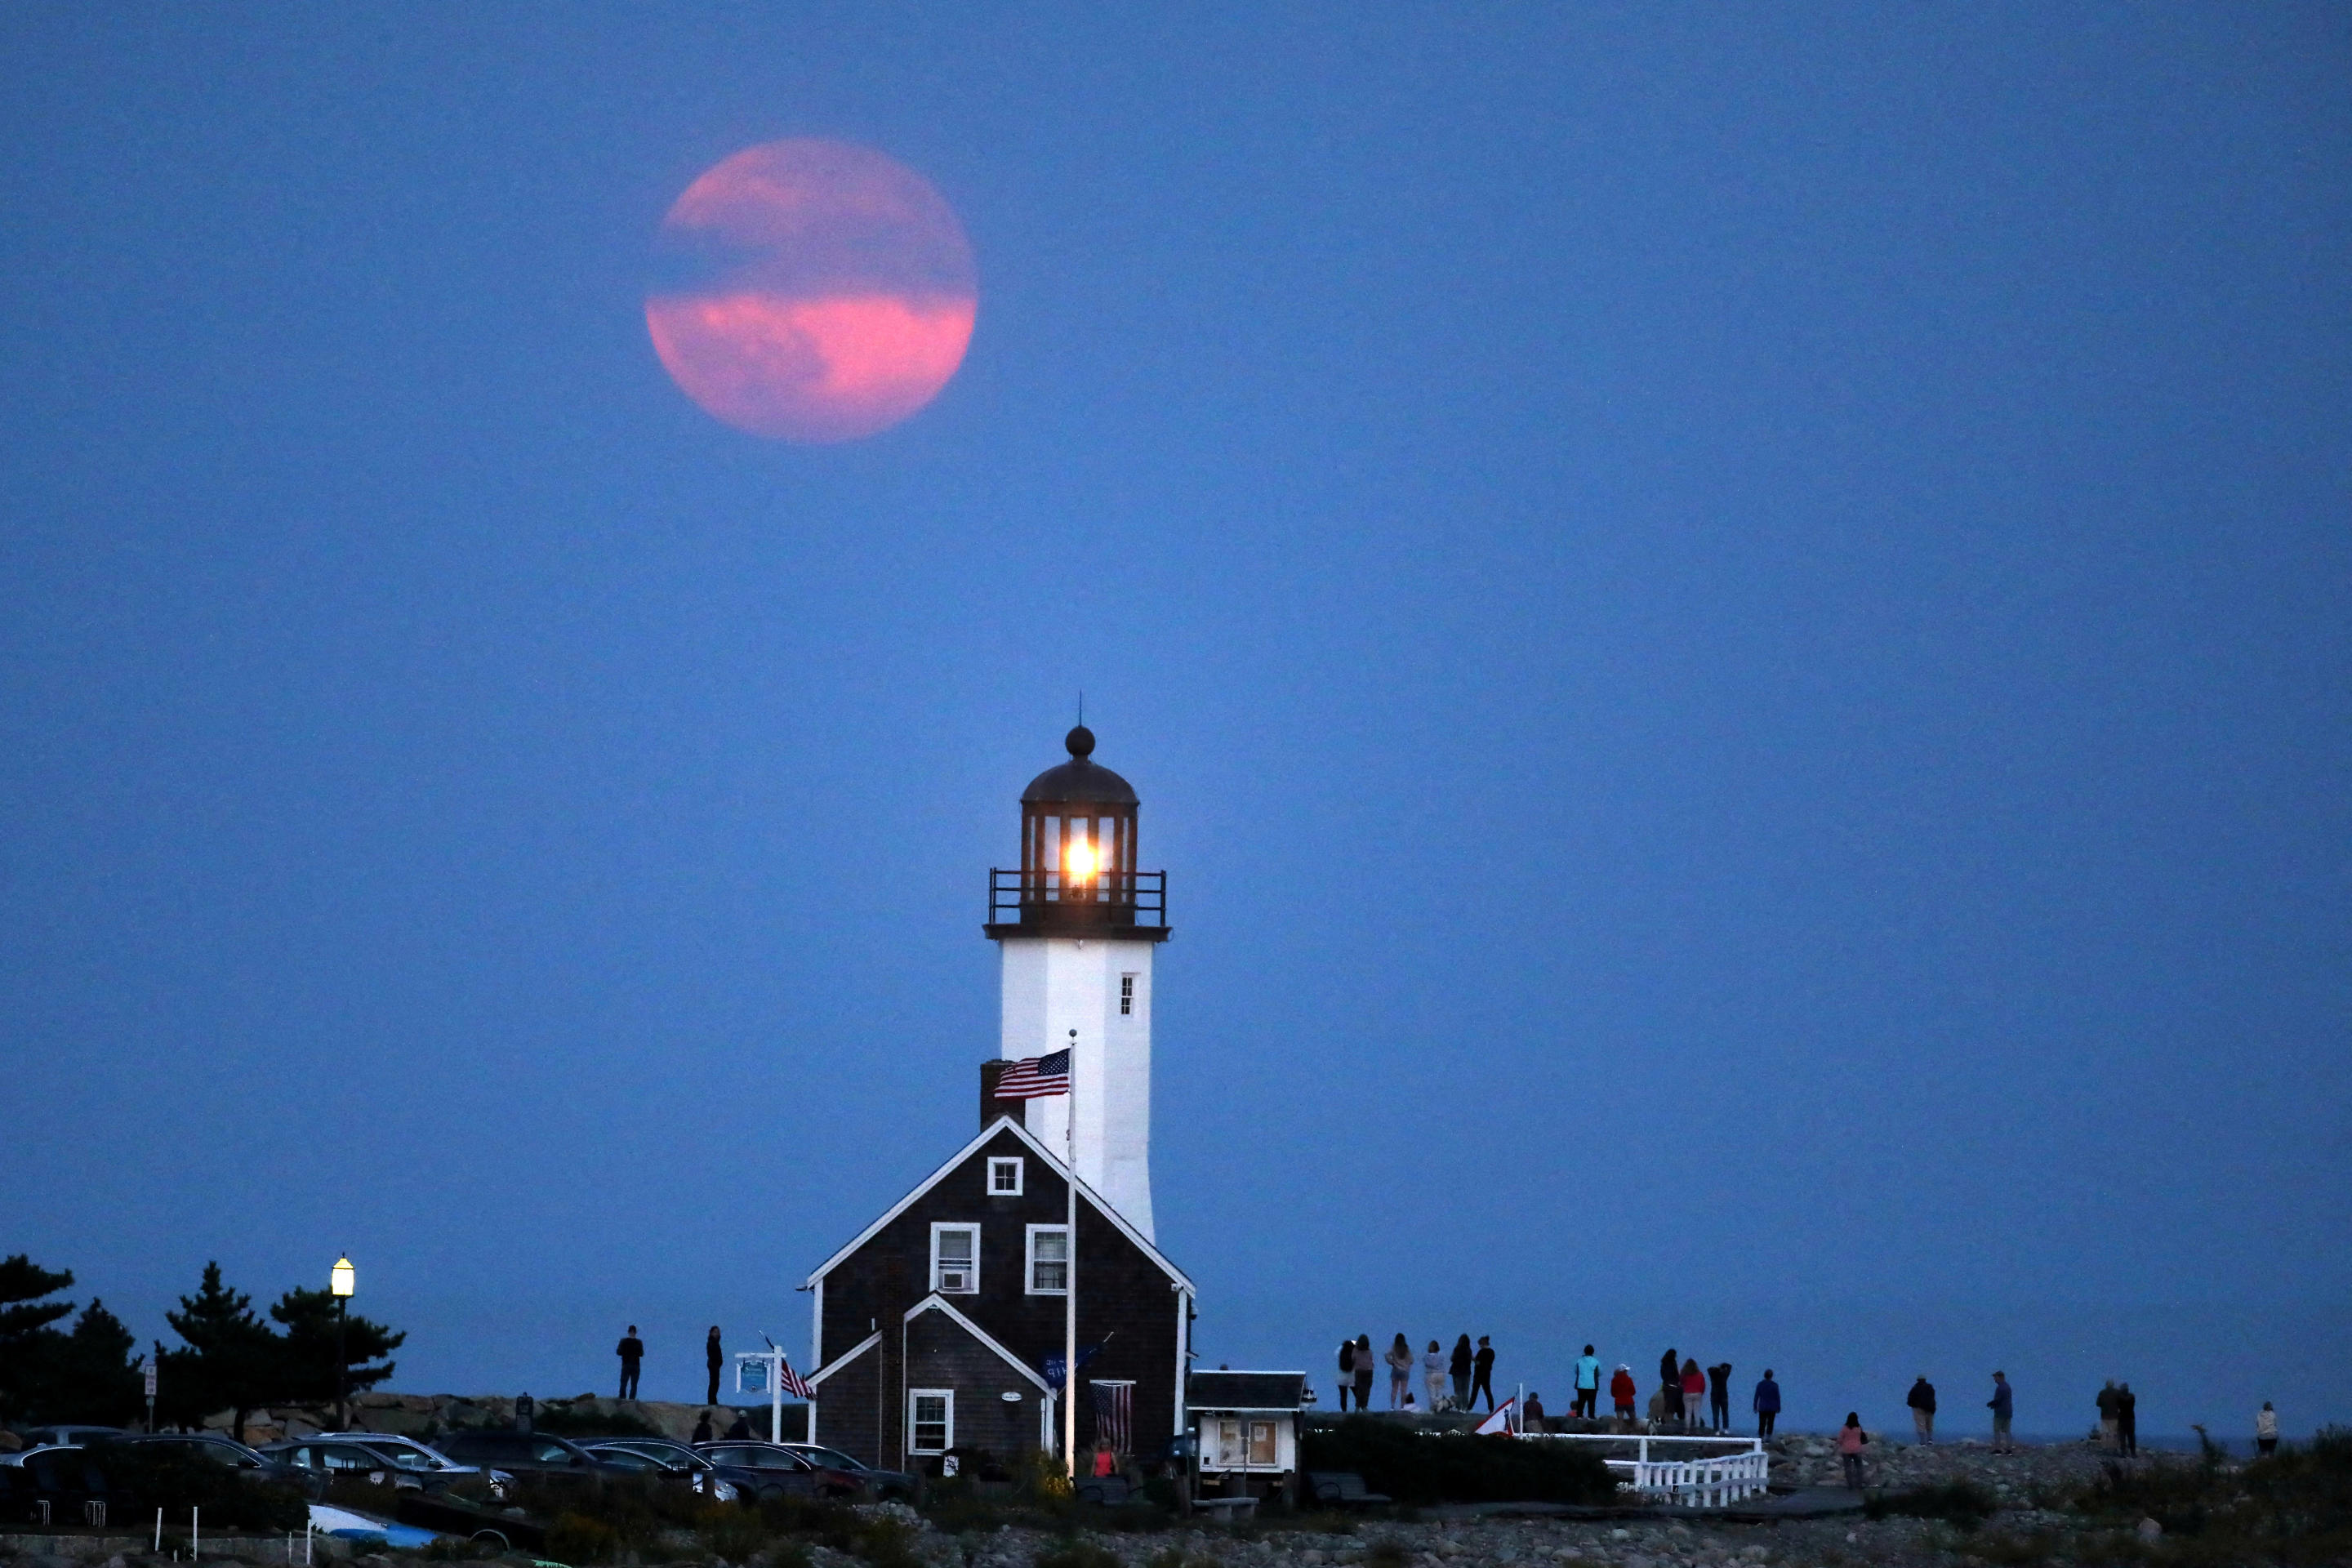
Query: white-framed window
x=1126, y=994
x=931, y=1420
x=1244, y=1444
x=955, y=1258
x=1004, y=1177
x=1049, y=1260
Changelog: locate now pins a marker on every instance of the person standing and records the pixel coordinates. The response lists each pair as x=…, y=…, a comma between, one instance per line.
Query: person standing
x=1588, y=1385
x=2004, y=1407
x=1669, y=1379
x=702, y=1429
x=2265, y=1431
x=716, y=1358
x=1347, y=1372
x=1460, y=1367
x=632, y=1352
x=1922, y=1401
x=1850, y=1439
x=1366, y=1363
x=1433, y=1377
x=1766, y=1404
x=1718, y=1395
x=2108, y=1415
x=1621, y=1394
x=1694, y=1394
x=1400, y=1372
x=2127, y=1421
x=1482, y=1374
x=526, y=1412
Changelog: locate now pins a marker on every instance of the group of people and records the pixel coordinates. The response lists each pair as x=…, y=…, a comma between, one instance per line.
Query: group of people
x=1449, y=1382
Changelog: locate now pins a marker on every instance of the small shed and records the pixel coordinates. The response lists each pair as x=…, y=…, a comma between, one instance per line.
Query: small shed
x=1245, y=1431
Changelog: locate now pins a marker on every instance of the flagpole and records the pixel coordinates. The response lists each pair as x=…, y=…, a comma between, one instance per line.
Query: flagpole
x=1070, y=1284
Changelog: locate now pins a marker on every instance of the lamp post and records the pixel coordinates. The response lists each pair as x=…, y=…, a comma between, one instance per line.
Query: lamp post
x=343, y=1281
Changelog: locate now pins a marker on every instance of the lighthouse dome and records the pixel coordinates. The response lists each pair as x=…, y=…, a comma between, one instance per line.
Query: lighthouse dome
x=1081, y=779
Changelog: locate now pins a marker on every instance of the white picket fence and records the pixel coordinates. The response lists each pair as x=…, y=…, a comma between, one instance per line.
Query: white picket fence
x=1736, y=1468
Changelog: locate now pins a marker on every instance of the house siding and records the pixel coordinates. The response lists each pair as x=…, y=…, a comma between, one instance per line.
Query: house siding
x=1127, y=1303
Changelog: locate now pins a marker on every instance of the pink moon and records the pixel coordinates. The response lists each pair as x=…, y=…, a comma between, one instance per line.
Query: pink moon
x=812, y=290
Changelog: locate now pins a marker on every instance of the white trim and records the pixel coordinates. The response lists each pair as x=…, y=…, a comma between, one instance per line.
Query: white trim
x=1029, y=1260
x=935, y=1303
x=1183, y=1357
x=971, y=1287
x=1053, y=1162
x=946, y=1395
x=816, y=1327
x=1020, y=1169
x=851, y=1354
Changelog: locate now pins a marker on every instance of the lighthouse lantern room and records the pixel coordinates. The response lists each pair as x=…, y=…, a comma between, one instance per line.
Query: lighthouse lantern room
x=1076, y=925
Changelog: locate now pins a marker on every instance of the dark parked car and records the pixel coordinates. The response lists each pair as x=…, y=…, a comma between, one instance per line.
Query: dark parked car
x=67, y=1478
x=525, y=1454
x=224, y=1451
x=780, y=1472
x=67, y=1436
x=402, y=1466
x=881, y=1483
x=659, y=1456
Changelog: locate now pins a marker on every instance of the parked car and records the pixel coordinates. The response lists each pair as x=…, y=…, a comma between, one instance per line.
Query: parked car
x=782, y=1471
x=417, y=1458
x=521, y=1454
x=659, y=1456
x=881, y=1483
x=225, y=1451
x=67, y=1437
x=64, y=1476
x=405, y=1466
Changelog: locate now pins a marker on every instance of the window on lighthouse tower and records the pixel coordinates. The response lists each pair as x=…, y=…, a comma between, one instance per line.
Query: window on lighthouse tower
x=1126, y=994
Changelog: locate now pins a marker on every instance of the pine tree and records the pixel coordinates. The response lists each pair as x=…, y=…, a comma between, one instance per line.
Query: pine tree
x=307, y=1358
x=231, y=1361
x=91, y=1377
x=28, y=1343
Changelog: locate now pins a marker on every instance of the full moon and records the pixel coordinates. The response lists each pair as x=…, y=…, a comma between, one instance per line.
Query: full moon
x=812, y=290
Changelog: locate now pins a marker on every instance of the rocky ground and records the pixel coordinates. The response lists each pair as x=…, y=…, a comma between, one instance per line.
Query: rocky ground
x=2023, y=1531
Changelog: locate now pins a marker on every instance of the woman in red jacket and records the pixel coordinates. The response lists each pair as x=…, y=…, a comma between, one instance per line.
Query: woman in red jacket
x=1694, y=1394
x=1621, y=1390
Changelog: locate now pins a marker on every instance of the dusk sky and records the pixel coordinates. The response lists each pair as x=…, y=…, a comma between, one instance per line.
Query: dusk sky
x=1734, y=625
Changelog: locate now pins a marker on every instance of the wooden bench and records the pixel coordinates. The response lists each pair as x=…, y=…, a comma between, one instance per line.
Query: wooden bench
x=1341, y=1489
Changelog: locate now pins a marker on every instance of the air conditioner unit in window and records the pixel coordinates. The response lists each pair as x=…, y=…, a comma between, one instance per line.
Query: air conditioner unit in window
x=955, y=1279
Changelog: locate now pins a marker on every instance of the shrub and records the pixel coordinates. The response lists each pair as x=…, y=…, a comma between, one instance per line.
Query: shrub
x=144, y=1477
x=1413, y=1468
x=577, y=1538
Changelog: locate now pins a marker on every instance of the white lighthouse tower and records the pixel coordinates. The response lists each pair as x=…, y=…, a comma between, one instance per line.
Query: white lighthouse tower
x=1076, y=925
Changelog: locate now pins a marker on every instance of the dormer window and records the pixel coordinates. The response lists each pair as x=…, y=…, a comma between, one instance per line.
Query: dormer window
x=1004, y=1177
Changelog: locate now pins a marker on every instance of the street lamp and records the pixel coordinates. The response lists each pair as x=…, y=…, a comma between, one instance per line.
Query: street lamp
x=343, y=1281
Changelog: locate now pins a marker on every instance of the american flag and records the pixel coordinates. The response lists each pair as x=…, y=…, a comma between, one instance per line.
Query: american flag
x=791, y=1382
x=1036, y=1077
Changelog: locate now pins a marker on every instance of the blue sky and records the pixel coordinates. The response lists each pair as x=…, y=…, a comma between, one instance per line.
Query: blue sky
x=1734, y=627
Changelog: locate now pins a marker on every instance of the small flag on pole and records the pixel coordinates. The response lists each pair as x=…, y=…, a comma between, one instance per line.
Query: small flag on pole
x=1499, y=1425
x=791, y=1382
x=1036, y=1077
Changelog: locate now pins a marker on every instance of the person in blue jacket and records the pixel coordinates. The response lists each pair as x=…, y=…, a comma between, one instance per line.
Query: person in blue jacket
x=2004, y=1405
x=1766, y=1404
x=1588, y=1385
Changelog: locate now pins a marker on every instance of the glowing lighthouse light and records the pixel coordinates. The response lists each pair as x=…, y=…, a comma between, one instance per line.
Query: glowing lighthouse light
x=1080, y=860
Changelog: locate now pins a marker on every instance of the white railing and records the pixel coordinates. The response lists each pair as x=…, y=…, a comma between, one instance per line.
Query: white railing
x=1738, y=1468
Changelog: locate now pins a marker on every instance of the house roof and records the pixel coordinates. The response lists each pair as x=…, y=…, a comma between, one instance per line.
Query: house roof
x=1245, y=1390
x=1006, y=1124
x=935, y=1303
